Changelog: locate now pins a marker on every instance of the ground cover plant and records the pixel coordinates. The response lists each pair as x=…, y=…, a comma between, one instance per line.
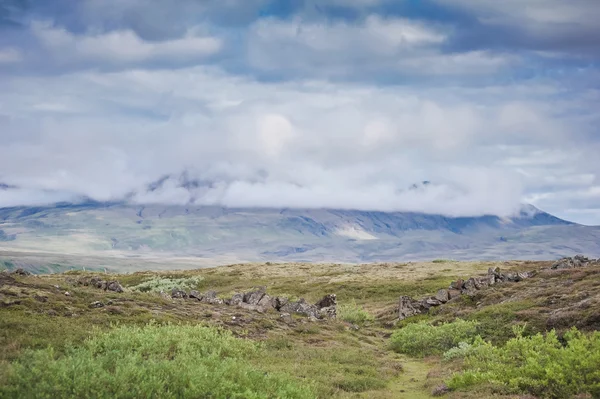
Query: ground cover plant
x=153, y=361
x=540, y=365
x=424, y=339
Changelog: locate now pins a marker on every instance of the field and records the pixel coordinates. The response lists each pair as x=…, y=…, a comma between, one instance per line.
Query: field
x=356, y=355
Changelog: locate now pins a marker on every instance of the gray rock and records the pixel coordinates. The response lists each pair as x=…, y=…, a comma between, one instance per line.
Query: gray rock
x=266, y=302
x=211, y=297
x=21, y=272
x=328, y=312
x=457, y=285
x=280, y=302
x=254, y=297
x=443, y=296
x=327, y=301
x=301, y=307
x=429, y=302
x=236, y=299
x=408, y=307
x=195, y=295
x=453, y=294
x=114, y=286
x=96, y=304
x=178, y=293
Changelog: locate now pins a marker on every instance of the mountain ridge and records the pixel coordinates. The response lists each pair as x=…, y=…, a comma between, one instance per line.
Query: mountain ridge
x=288, y=234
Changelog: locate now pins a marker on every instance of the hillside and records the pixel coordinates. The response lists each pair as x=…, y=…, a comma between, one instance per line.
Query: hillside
x=225, y=235
x=354, y=355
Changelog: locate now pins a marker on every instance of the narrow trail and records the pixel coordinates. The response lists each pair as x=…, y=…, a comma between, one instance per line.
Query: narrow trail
x=410, y=383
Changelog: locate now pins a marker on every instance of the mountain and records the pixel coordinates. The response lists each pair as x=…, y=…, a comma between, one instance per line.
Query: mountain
x=226, y=234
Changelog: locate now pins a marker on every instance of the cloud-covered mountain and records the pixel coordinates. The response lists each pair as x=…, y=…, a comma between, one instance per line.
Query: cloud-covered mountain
x=252, y=234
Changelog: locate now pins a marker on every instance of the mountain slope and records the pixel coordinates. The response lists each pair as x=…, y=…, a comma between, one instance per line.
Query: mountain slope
x=289, y=234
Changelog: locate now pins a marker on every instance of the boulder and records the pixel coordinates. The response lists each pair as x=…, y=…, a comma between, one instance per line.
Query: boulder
x=429, y=302
x=301, y=307
x=327, y=301
x=254, y=297
x=443, y=296
x=114, y=286
x=266, y=302
x=280, y=302
x=195, y=295
x=408, y=307
x=211, y=297
x=329, y=312
x=453, y=294
x=236, y=299
x=470, y=287
x=457, y=285
x=178, y=293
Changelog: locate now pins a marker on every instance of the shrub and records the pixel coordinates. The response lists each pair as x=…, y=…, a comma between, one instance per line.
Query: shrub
x=538, y=365
x=158, y=284
x=352, y=313
x=172, y=361
x=423, y=339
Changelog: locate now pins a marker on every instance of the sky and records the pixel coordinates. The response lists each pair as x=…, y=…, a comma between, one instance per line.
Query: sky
x=304, y=103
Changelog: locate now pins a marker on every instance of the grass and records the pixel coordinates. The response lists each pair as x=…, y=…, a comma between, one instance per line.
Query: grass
x=352, y=313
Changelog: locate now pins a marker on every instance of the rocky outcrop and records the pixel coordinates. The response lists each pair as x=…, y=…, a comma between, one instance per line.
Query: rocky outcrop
x=98, y=282
x=574, y=262
x=258, y=300
x=408, y=307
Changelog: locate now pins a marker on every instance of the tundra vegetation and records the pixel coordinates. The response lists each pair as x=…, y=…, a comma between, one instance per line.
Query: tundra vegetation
x=535, y=337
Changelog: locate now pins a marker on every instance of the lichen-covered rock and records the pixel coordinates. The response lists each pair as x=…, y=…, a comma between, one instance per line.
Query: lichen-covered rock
x=178, y=293
x=195, y=295
x=236, y=299
x=211, y=297
x=280, y=302
x=254, y=297
x=114, y=286
x=327, y=301
x=301, y=307
x=408, y=307
x=266, y=302
x=443, y=296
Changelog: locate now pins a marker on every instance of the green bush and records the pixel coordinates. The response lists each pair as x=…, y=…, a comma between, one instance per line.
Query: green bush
x=158, y=284
x=424, y=339
x=352, y=313
x=538, y=365
x=171, y=361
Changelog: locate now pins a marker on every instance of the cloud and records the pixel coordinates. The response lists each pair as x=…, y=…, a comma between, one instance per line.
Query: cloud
x=394, y=46
x=122, y=46
x=301, y=144
x=549, y=25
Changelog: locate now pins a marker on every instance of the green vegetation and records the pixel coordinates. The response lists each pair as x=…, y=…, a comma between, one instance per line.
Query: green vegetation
x=165, y=284
x=172, y=361
x=352, y=313
x=424, y=339
x=540, y=365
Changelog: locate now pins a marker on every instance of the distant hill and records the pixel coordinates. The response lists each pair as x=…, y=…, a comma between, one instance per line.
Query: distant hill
x=289, y=234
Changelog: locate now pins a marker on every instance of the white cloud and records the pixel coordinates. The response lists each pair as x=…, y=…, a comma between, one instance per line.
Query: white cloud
x=297, y=144
x=375, y=46
x=121, y=46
